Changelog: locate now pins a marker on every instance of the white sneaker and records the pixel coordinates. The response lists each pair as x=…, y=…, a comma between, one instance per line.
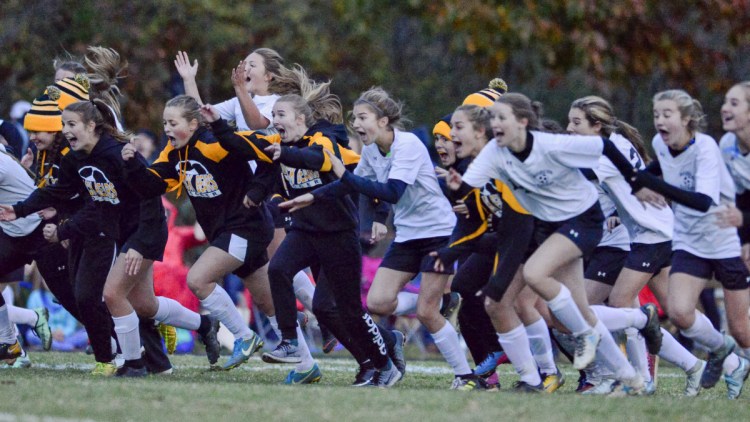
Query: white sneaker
x=604, y=387
x=586, y=345
x=693, y=382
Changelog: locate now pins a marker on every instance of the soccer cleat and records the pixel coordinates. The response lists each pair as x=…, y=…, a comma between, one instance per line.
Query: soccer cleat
x=524, y=387
x=10, y=351
x=20, y=362
x=715, y=361
x=104, y=369
x=286, y=352
x=586, y=345
x=629, y=387
x=385, y=378
x=130, y=372
x=651, y=332
x=364, y=375
x=493, y=382
x=489, y=364
x=169, y=334
x=605, y=386
x=693, y=382
x=243, y=349
x=552, y=382
x=311, y=376
x=209, y=339
x=470, y=383
x=736, y=379
x=397, y=354
x=650, y=388
x=329, y=341
x=450, y=307
x=41, y=328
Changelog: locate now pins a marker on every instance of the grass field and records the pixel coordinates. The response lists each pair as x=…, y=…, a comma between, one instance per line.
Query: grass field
x=59, y=387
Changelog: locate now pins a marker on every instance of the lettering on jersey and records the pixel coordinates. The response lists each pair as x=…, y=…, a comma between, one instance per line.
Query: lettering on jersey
x=492, y=200
x=98, y=185
x=543, y=178
x=687, y=180
x=199, y=182
x=301, y=178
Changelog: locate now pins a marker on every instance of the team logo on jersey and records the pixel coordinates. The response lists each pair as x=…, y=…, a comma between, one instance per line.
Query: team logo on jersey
x=301, y=178
x=199, y=182
x=51, y=177
x=492, y=200
x=98, y=185
x=687, y=180
x=543, y=178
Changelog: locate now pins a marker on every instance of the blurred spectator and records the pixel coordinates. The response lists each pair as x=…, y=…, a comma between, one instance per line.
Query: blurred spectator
x=11, y=138
x=147, y=144
x=17, y=113
x=67, y=334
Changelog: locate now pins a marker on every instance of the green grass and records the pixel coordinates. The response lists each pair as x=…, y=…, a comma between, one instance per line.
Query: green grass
x=59, y=386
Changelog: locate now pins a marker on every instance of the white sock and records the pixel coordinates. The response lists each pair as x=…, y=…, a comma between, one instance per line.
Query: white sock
x=220, y=306
x=304, y=290
x=275, y=327
x=611, y=354
x=703, y=332
x=731, y=363
x=567, y=312
x=616, y=319
x=128, y=336
x=541, y=346
x=636, y=348
x=446, y=340
x=307, y=359
x=22, y=315
x=406, y=303
x=7, y=331
x=745, y=353
x=515, y=343
x=673, y=352
x=171, y=312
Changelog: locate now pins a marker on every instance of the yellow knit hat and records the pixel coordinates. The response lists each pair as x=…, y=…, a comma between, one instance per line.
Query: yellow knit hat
x=70, y=90
x=487, y=96
x=44, y=116
x=443, y=127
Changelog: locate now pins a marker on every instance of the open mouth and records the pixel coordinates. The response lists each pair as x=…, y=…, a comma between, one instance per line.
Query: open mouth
x=727, y=118
x=442, y=154
x=282, y=131
x=663, y=132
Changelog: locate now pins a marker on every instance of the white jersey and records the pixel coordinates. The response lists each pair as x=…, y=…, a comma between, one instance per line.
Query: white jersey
x=700, y=168
x=423, y=211
x=231, y=111
x=548, y=183
x=647, y=224
x=618, y=237
x=738, y=164
x=15, y=186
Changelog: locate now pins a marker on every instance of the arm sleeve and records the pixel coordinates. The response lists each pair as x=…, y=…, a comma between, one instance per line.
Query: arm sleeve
x=150, y=182
x=654, y=168
x=695, y=200
x=381, y=210
x=66, y=188
x=249, y=144
x=83, y=223
x=622, y=164
x=332, y=191
x=311, y=158
x=264, y=181
x=390, y=191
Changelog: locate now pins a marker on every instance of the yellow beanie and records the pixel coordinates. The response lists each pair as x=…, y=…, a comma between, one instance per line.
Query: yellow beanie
x=443, y=127
x=487, y=96
x=70, y=90
x=44, y=116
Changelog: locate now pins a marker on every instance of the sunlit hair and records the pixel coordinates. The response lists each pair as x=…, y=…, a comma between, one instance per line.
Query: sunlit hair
x=315, y=100
x=190, y=109
x=105, y=68
x=687, y=106
x=98, y=112
x=523, y=108
x=381, y=103
x=479, y=117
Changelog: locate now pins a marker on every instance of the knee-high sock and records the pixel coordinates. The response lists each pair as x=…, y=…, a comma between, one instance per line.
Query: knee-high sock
x=171, y=312
x=304, y=290
x=673, y=352
x=636, y=348
x=406, y=303
x=567, y=312
x=7, y=330
x=221, y=307
x=516, y=345
x=446, y=340
x=616, y=319
x=541, y=346
x=126, y=328
x=704, y=333
x=612, y=355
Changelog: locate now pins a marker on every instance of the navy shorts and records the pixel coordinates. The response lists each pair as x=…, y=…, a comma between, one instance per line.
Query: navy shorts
x=649, y=258
x=413, y=256
x=605, y=264
x=252, y=253
x=585, y=230
x=730, y=272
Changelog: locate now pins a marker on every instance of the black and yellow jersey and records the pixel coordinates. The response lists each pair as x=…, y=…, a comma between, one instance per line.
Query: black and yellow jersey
x=215, y=180
x=304, y=167
x=48, y=165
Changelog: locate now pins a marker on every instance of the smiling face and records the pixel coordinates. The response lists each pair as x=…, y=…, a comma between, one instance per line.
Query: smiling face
x=446, y=150
x=367, y=125
x=671, y=124
x=467, y=140
x=507, y=129
x=290, y=125
x=80, y=135
x=256, y=76
x=578, y=124
x=177, y=128
x=735, y=112
x=42, y=140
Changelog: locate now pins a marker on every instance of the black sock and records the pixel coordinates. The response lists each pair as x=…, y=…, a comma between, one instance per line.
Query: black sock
x=205, y=325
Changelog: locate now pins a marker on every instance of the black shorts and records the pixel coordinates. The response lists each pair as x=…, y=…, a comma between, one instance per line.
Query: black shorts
x=730, y=272
x=585, y=230
x=243, y=247
x=649, y=258
x=15, y=252
x=413, y=256
x=605, y=264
